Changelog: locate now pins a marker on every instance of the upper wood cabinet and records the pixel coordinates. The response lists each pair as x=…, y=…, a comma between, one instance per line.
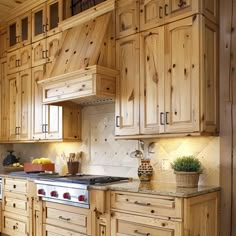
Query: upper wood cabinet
x=4, y=104
x=127, y=102
x=178, y=80
x=20, y=105
x=127, y=17
x=52, y=122
x=152, y=81
x=19, y=31
x=45, y=19
x=45, y=50
x=158, y=12
x=19, y=59
x=3, y=44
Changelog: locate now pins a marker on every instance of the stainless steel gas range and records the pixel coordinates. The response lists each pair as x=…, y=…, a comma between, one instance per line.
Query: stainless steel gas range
x=71, y=190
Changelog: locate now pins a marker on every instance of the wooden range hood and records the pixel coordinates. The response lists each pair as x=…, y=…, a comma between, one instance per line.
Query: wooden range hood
x=83, y=70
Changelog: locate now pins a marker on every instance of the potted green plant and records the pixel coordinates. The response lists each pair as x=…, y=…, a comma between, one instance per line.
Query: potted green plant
x=187, y=170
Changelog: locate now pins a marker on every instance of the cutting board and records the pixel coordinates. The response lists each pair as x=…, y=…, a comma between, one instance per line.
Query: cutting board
x=30, y=167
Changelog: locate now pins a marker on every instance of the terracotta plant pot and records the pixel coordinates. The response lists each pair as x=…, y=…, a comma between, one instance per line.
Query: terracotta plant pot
x=187, y=179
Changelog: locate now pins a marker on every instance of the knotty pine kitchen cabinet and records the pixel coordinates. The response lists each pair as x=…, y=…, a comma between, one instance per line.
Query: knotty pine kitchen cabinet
x=127, y=92
x=19, y=31
x=20, y=105
x=17, y=205
x=45, y=50
x=177, y=76
x=145, y=214
x=3, y=44
x=19, y=60
x=127, y=17
x=45, y=19
x=4, y=99
x=49, y=121
x=158, y=12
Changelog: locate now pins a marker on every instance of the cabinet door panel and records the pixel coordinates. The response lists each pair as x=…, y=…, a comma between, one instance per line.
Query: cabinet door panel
x=127, y=106
x=39, y=53
x=209, y=75
x=12, y=62
x=4, y=99
x=152, y=81
x=127, y=18
x=38, y=109
x=54, y=122
x=151, y=13
x=13, y=34
x=39, y=22
x=13, y=105
x=25, y=105
x=25, y=29
x=54, y=16
x=25, y=58
x=53, y=46
x=182, y=76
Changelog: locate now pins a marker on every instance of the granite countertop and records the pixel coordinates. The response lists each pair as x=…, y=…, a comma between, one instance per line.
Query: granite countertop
x=135, y=186
x=164, y=189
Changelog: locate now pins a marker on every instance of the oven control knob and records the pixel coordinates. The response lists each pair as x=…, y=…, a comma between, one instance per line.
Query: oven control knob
x=66, y=196
x=41, y=192
x=81, y=198
x=54, y=194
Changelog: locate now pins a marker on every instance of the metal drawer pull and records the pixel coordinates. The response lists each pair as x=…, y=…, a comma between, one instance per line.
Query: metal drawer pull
x=14, y=186
x=62, y=218
x=140, y=233
x=142, y=203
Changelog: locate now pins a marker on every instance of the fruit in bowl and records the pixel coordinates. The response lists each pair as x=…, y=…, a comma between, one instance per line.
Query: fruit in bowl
x=41, y=160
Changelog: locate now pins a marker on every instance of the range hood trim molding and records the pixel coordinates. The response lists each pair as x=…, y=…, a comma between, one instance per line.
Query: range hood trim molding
x=91, y=85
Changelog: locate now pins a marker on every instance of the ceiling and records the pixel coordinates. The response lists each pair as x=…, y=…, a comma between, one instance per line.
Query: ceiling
x=6, y=6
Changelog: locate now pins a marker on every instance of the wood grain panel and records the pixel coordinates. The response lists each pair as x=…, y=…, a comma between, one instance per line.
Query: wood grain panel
x=225, y=117
x=233, y=79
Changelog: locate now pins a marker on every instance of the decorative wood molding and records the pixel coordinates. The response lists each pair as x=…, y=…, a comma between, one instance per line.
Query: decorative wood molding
x=88, y=15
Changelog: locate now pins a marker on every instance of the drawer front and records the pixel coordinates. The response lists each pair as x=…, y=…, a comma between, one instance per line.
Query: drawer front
x=72, y=218
x=49, y=230
x=15, y=185
x=12, y=204
x=127, y=224
x=151, y=205
x=14, y=224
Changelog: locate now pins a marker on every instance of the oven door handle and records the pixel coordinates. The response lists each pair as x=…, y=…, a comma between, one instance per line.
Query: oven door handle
x=63, y=218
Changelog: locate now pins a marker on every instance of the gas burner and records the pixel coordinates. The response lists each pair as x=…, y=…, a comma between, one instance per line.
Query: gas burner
x=71, y=189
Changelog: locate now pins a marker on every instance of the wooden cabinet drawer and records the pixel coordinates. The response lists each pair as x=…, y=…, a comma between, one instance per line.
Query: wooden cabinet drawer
x=151, y=205
x=15, y=203
x=128, y=224
x=14, y=224
x=49, y=230
x=15, y=185
x=68, y=217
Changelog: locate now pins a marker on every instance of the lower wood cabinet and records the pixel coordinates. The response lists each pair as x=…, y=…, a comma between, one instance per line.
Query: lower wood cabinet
x=128, y=224
x=14, y=224
x=144, y=214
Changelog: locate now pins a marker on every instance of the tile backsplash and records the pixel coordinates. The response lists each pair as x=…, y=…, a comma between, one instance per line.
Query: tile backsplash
x=102, y=154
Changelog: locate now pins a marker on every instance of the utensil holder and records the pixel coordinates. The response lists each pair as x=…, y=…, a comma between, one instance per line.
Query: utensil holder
x=73, y=167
